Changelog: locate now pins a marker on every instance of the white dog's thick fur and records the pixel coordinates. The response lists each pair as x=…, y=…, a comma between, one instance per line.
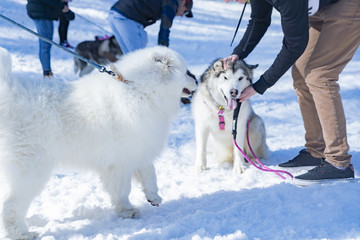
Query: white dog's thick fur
x=220, y=87
x=97, y=123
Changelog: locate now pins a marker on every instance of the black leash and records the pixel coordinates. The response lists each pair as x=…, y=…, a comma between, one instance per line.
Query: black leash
x=93, y=23
x=237, y=27
x=235, y=118
x=97, y=66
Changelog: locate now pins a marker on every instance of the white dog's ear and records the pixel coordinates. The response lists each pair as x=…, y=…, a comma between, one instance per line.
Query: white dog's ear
x=159, y=58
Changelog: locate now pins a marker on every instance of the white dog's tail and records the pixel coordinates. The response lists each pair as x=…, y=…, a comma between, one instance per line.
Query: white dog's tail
x=5, y=65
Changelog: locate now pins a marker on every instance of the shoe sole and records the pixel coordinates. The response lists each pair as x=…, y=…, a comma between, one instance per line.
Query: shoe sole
x=299, y=166
x=306, y=183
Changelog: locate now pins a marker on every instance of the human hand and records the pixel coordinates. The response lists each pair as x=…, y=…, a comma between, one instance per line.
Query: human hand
x=65, y=9
x=247, y=93
x=232, y=58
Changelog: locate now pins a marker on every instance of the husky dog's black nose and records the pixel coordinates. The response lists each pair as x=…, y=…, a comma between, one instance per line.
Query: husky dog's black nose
x=234, y=92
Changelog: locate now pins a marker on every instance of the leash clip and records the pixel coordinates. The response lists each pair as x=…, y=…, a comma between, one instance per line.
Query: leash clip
x=117, y=75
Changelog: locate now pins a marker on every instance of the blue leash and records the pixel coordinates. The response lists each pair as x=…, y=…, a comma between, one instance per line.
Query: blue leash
x=97, y=66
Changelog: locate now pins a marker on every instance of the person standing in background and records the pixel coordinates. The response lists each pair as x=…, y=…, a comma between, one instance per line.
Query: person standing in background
x=43, y=13
x=64, y=21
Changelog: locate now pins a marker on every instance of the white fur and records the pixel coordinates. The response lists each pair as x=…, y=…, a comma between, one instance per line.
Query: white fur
x=97, y=123
x=214, y=91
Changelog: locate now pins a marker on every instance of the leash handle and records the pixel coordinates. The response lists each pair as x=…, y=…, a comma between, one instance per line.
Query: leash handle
x=257, y=160
x=266, y=169
x=234, y=132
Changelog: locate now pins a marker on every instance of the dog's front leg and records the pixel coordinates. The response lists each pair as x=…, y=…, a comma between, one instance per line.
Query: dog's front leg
x=202, y=135
x=238, y=157
x=14, y=211
x=118, y=184
x=147, y=178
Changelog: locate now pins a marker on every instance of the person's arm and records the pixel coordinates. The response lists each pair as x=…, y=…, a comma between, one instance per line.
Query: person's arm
x=168, y=14
x=260, y=20
x=295, y=26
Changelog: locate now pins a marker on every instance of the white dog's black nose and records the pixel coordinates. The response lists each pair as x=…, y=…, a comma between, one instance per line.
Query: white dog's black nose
x=234, y=92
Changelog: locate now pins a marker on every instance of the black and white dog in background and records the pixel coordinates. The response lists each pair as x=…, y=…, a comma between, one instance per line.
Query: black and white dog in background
x=103, y=50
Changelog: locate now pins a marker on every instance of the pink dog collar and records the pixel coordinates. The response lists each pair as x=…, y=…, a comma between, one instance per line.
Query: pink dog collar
x=221, y=118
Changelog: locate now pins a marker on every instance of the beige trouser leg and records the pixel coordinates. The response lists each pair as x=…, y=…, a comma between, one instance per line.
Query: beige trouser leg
x=334, y=38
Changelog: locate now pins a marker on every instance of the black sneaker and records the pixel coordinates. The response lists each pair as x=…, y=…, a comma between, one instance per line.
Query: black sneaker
x=327, y=171
x=303, y=159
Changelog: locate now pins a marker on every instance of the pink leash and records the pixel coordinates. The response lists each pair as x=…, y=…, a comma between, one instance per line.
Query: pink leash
x=263, y=167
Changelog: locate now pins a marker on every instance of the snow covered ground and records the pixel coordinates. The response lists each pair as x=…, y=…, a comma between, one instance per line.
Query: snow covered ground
x=216, y=204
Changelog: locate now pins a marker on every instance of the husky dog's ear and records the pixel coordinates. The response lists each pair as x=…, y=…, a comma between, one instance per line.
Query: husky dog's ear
x=247, y=68
x=218, y=67
x=250, y=66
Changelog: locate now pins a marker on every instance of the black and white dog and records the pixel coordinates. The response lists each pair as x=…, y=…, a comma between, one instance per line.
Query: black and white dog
x=101, y=51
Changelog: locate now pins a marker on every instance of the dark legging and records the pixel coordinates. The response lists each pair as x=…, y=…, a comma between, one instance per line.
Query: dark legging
x=63, y=28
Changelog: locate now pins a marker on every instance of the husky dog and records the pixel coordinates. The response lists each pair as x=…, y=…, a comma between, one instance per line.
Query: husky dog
x=213, y=108
x=114, y=126
x=101, y=51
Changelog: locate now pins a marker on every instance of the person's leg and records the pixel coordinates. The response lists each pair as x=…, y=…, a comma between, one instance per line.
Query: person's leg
x=338, y=40
x=63, y=28
x=46, y=29
x=314, y=142
x=129, y=34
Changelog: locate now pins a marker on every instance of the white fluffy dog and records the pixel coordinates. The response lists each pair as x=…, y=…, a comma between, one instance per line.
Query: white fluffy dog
x=97, y=123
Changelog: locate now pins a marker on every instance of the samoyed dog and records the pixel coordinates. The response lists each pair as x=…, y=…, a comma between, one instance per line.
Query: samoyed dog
x=213, y=108
x=98, y=123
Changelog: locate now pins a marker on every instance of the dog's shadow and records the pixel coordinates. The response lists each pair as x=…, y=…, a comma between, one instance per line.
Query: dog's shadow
x=264, y=213
x=280, y=211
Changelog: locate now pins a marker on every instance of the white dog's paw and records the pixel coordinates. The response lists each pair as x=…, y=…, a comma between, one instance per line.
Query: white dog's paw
x=23, y=236
x=129, y=213
x=200, y=168
x=238, y=169
x=155, y=200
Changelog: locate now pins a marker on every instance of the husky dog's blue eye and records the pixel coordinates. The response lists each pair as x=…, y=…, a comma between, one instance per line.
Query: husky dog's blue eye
x=241, y=78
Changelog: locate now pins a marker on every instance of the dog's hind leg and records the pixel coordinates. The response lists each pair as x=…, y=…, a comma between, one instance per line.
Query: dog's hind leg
x=117, y=182
x=257, y=138
x=85, y=69
x=147, y=178
x=24, y=185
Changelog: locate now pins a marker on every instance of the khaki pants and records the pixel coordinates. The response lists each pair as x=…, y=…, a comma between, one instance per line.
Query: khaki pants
x=334, y=38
